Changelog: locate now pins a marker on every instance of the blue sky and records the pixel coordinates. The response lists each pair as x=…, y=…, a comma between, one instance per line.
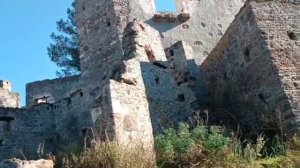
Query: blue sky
x=25, y=30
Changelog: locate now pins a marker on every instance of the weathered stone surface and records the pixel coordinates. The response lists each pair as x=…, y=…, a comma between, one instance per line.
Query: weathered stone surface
x=49, y=124
x=16, y=163
x=209, y=20
x=183, y=17
x=252, y=73
x=140, y=74
x=8, y=98
x=50, y=91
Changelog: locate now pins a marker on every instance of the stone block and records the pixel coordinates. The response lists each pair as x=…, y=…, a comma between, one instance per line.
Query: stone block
x=159, y=17
x=183, y=17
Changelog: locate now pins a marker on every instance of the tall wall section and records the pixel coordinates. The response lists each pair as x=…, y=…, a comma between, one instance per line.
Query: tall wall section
x=150, y=94
x=99, y=24
x=253, y=70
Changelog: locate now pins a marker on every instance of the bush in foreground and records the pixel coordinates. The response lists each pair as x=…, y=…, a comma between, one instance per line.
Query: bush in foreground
x=211, y=146
x=200, y=147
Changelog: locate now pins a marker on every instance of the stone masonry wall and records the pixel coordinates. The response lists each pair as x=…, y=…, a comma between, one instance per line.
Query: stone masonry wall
x=23, y=131
x=280, y=23
x=207, y=22
x=186, y=74
x=252, y=70
x=101, y=25
x=100, y=48
x=50, y=91
x=52, y=125
x=140, y=74
x=149, y=79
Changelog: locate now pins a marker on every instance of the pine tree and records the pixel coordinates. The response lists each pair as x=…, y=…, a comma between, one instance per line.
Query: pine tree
x=64, y=50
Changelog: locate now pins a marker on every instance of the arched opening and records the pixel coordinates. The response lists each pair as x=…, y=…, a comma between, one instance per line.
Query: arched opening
x=165, y=5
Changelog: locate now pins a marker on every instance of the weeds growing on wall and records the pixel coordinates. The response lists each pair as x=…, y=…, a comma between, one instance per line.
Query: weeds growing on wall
x=198, y=147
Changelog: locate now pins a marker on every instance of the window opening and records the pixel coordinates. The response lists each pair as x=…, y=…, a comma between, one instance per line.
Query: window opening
x=165, y=5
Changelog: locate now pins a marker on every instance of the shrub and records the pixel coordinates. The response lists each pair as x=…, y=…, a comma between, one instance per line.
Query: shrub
x=199, y=147
x=209, y=146
x=176, y=147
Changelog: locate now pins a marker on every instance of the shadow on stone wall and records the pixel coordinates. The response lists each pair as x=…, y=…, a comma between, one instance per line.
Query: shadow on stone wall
x=174, y=93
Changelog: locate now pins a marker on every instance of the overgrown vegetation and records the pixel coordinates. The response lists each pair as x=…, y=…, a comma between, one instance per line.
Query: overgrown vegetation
x=109, y=155
x=198, y=147
x=212, y=146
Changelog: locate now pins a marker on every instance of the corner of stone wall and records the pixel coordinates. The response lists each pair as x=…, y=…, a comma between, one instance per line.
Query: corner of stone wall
x=259, y=85
x=130, y=111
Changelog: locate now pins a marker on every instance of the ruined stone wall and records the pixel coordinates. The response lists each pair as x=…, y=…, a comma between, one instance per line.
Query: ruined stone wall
x=252, y=70
x=101, y=25
x=98, y=25
x=54, y=125
x=202, y=29
x=137, y=79
x=186, y=74
x=7, y=97
x=50, y=91
x=152, y=84
x=280, y=24
x=23, y=130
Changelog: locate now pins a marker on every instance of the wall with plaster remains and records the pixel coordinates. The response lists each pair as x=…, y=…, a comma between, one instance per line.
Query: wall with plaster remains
x=201, y=24
x=50, y=91
x=252, y=71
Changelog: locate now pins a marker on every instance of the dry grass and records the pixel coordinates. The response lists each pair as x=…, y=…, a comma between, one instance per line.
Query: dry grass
x=110, y=155
x=200, y=147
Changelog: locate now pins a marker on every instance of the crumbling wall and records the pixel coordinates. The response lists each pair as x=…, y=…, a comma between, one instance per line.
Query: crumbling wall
x=23, y=131
x=50, y=91
x=186, y=74
x=153, y=83
x=101, y=25
x=199, y=23
x=49, y=125
x=253, y=70
x=8, y=98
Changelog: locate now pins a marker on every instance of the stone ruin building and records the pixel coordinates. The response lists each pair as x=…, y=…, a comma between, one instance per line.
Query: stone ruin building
x=143, y=71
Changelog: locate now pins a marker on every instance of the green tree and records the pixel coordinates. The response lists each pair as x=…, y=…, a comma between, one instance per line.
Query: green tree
x=64, y=50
